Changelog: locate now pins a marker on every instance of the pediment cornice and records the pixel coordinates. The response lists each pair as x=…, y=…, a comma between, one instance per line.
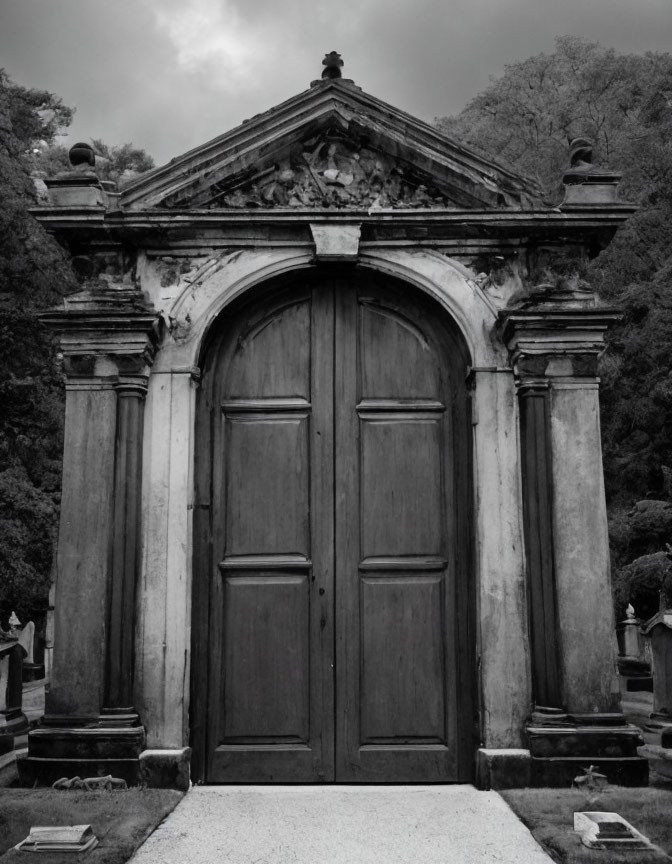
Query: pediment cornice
x=334, y=147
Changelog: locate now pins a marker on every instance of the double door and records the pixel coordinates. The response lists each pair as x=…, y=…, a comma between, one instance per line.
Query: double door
x=332, y=540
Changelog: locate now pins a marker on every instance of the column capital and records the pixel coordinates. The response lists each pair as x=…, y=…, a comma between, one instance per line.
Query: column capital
x=132, y=387
x=106, y=333
x=532, y=387
x=556, y=339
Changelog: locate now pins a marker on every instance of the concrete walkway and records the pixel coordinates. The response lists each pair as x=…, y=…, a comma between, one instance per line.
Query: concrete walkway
x=340, y=825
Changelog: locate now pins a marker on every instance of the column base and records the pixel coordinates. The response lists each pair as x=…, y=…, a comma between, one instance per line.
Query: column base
x=91, y=746
x=562, y=745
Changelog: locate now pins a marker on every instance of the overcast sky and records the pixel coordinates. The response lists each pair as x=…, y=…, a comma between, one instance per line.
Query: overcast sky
x=169, y=75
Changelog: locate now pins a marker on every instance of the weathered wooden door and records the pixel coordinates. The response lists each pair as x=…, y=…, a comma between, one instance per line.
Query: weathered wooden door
x=332, y=540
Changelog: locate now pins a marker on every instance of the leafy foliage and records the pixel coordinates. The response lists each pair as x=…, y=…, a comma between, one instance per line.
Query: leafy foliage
x=623, y=102
x=639, y=566
x=34, y=272
x=640, y=583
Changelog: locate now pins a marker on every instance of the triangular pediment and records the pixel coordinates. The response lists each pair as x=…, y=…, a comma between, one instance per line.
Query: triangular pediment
x=332, y=147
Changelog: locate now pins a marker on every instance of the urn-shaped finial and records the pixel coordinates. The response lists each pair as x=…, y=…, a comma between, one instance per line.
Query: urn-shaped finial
x=82, y=154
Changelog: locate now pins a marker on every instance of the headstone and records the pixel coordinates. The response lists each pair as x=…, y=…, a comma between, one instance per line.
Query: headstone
x=632, y=640
x=659, y=628
x=634, y=664
x=12, y=719
x=31, y=671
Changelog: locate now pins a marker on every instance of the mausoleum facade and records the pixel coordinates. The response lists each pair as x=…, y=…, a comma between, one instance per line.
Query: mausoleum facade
x=333, y=507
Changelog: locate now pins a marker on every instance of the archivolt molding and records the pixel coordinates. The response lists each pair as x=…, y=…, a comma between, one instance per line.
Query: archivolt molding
x=197, y=307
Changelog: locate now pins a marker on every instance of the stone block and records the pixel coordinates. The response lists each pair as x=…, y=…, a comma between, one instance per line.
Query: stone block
x=92, y=744
x=666, y=737
x=166, y=769
x=589, y=741
x=336, y=242
x=75, y=192
x=590, y=193
x=502, y=769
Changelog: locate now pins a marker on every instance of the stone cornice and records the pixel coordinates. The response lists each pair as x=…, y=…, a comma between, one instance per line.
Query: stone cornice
x=162, y=227
x=109, y=333
x=554, y=341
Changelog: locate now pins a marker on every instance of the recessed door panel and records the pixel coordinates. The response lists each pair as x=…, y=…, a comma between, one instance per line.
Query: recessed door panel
x=272, y=356
x=396, y=350
x=267, y=483
x=402, y=662
x=400, y=482
x=266, y=692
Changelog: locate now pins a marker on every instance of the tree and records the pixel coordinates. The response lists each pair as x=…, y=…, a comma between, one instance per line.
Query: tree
x=623, y=102
x=34, y=272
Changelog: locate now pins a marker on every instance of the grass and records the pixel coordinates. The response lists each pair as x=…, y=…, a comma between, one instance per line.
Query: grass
x=120, y=819
x=549, y=814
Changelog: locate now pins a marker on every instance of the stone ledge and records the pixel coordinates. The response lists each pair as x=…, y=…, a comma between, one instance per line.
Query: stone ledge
x=166, y=769
x=588, y=741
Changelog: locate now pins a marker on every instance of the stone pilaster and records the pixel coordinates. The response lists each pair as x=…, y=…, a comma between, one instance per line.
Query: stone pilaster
x=555, y=343
x=108, y=340
x=80, y=614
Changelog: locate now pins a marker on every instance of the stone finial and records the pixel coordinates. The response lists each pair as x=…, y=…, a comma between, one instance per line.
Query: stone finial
x=587, y=184
x=580, y=152
x=82, y=154
x=332, y=65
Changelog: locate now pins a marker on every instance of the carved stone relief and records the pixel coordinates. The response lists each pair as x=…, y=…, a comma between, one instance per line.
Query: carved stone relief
x=326, y=171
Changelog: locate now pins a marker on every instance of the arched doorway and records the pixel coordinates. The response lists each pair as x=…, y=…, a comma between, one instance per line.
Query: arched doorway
x=332, y=608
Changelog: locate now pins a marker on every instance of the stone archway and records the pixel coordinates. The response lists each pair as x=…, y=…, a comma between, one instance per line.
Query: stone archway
x=333, y=598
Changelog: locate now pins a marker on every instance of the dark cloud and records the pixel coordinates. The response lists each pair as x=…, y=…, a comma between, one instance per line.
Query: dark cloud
x=168, y=75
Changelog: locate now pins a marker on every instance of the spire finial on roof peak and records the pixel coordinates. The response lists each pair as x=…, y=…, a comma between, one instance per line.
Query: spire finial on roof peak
x=332, y=65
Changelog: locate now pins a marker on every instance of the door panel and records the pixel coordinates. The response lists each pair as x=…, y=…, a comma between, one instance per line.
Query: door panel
x=400, y=485
x=267, y=694
x=269, y=400
x=387, y=333
x=272, y=358
x=332, y=520
x=402, y=692
x=267, y=483
x=396, y=526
